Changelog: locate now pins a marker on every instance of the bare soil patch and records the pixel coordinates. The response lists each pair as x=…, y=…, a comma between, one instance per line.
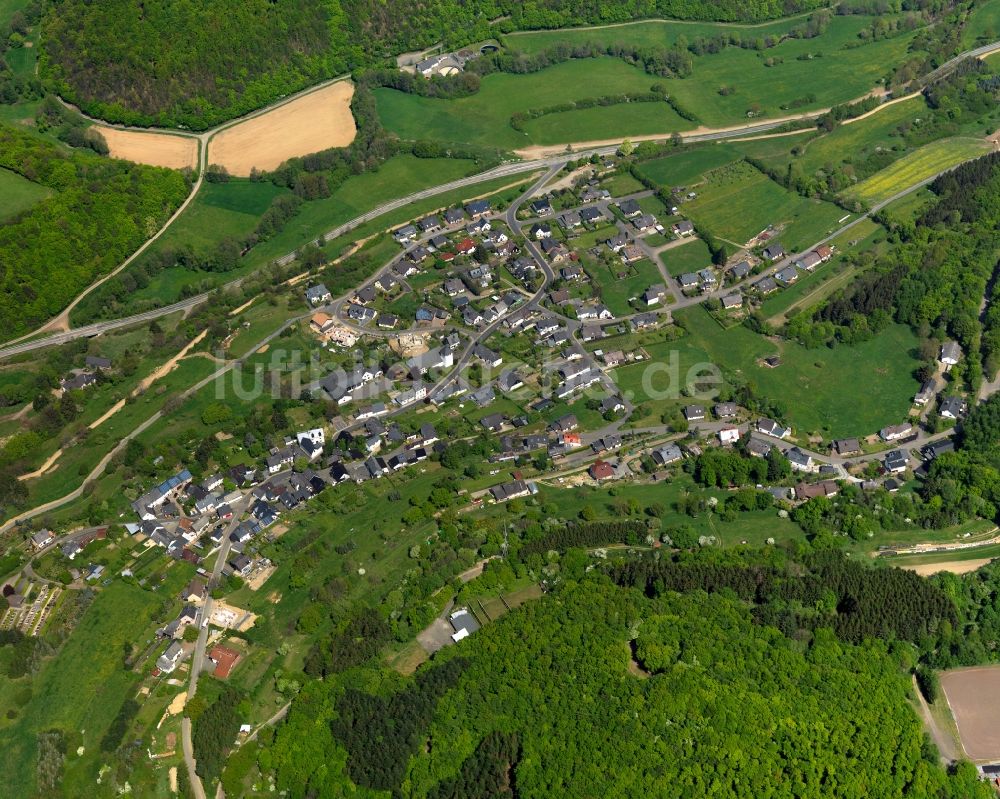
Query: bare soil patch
x=147, y=147
x=972, y=695
x=316, y=121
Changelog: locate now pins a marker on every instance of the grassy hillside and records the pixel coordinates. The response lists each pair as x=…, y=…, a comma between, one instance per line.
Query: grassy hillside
x=18, y=193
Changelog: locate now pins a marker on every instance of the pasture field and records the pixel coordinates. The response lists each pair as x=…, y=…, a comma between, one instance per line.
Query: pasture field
x=685, y=168
x=833, y=67
x=810, y=384
x=615, y=292
x=220, y=211
x=916, y=166
x=605, y=122
x=19, y=193
x=484, y=118
x=689, y=257
x=81, y=689
x=737, y=202
x=147, y=147
x=22, y=60
x=972, y=694
x=315, y=121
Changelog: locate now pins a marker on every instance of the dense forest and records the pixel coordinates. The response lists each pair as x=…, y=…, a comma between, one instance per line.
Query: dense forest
x=99, y=212
x=195, y=63
x=690, y=692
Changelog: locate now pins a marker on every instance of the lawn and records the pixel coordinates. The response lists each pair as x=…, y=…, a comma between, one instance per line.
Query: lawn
x=837, y=71
x=19, y=193
x=616, y=292
x=691, y=256
x=684, y=168
x=813, y=386
x=484, y=118
x=737, y=202
x=917, y=166
x=82, y=688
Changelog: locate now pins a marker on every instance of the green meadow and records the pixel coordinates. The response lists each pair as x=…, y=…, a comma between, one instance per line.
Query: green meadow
x=737, y=202
x=685, y=168
x=484, y=118
x=691, y=256
x=834, y=67
x=19, y=193
x=819, y=389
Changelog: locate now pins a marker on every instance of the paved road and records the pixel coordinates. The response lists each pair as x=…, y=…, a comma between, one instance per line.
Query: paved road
x=198, y=657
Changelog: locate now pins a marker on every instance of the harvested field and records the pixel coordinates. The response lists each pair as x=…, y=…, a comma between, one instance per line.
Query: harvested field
x=953, y=566
x=316, y=121
x=155, y=149
x=972, y=695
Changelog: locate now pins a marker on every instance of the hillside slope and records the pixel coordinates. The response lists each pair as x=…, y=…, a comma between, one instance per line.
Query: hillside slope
x=195, y=63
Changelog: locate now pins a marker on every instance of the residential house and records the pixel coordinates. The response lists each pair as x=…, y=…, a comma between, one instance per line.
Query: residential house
x=430, y=224
x=591, y=215
x=895, y=462
x=617, y=242
x=318, y=294
x=926, y=393
x=96, y=362
x=809, y=261
x=601, y=470
x=630, y=208
x=729, y=435
x=683, y=228
x=950, y=354
x=895, y=432
x=170, y=659
x=42, y=539
x=769, y=427
x=510, y=490
x=492, y=423
x=405, y=234
x=694, y=413
x=732, y=302
x=541, y=231
x=570, y=220
x=541, y=206
x=454, y=216
x=952, y=407
x=321, y=322
x=564, y=423
x=740, y=270
x=631, y=253
x=483, y=396
x=725, y=410
x=824, y=488
x=766, y=285
x=667, y=454
x=478, y=208
x=689, y=280
x=774, y=251
x=641, y=321
x=845, y=447
x=645, y=223
x=78, y=381
x=801, y=461
x=788, y=275
x=654, y=294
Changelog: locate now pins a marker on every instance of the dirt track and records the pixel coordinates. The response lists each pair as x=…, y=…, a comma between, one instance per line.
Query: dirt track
x=316, y=121
x=953, y=566
x=155, y=149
